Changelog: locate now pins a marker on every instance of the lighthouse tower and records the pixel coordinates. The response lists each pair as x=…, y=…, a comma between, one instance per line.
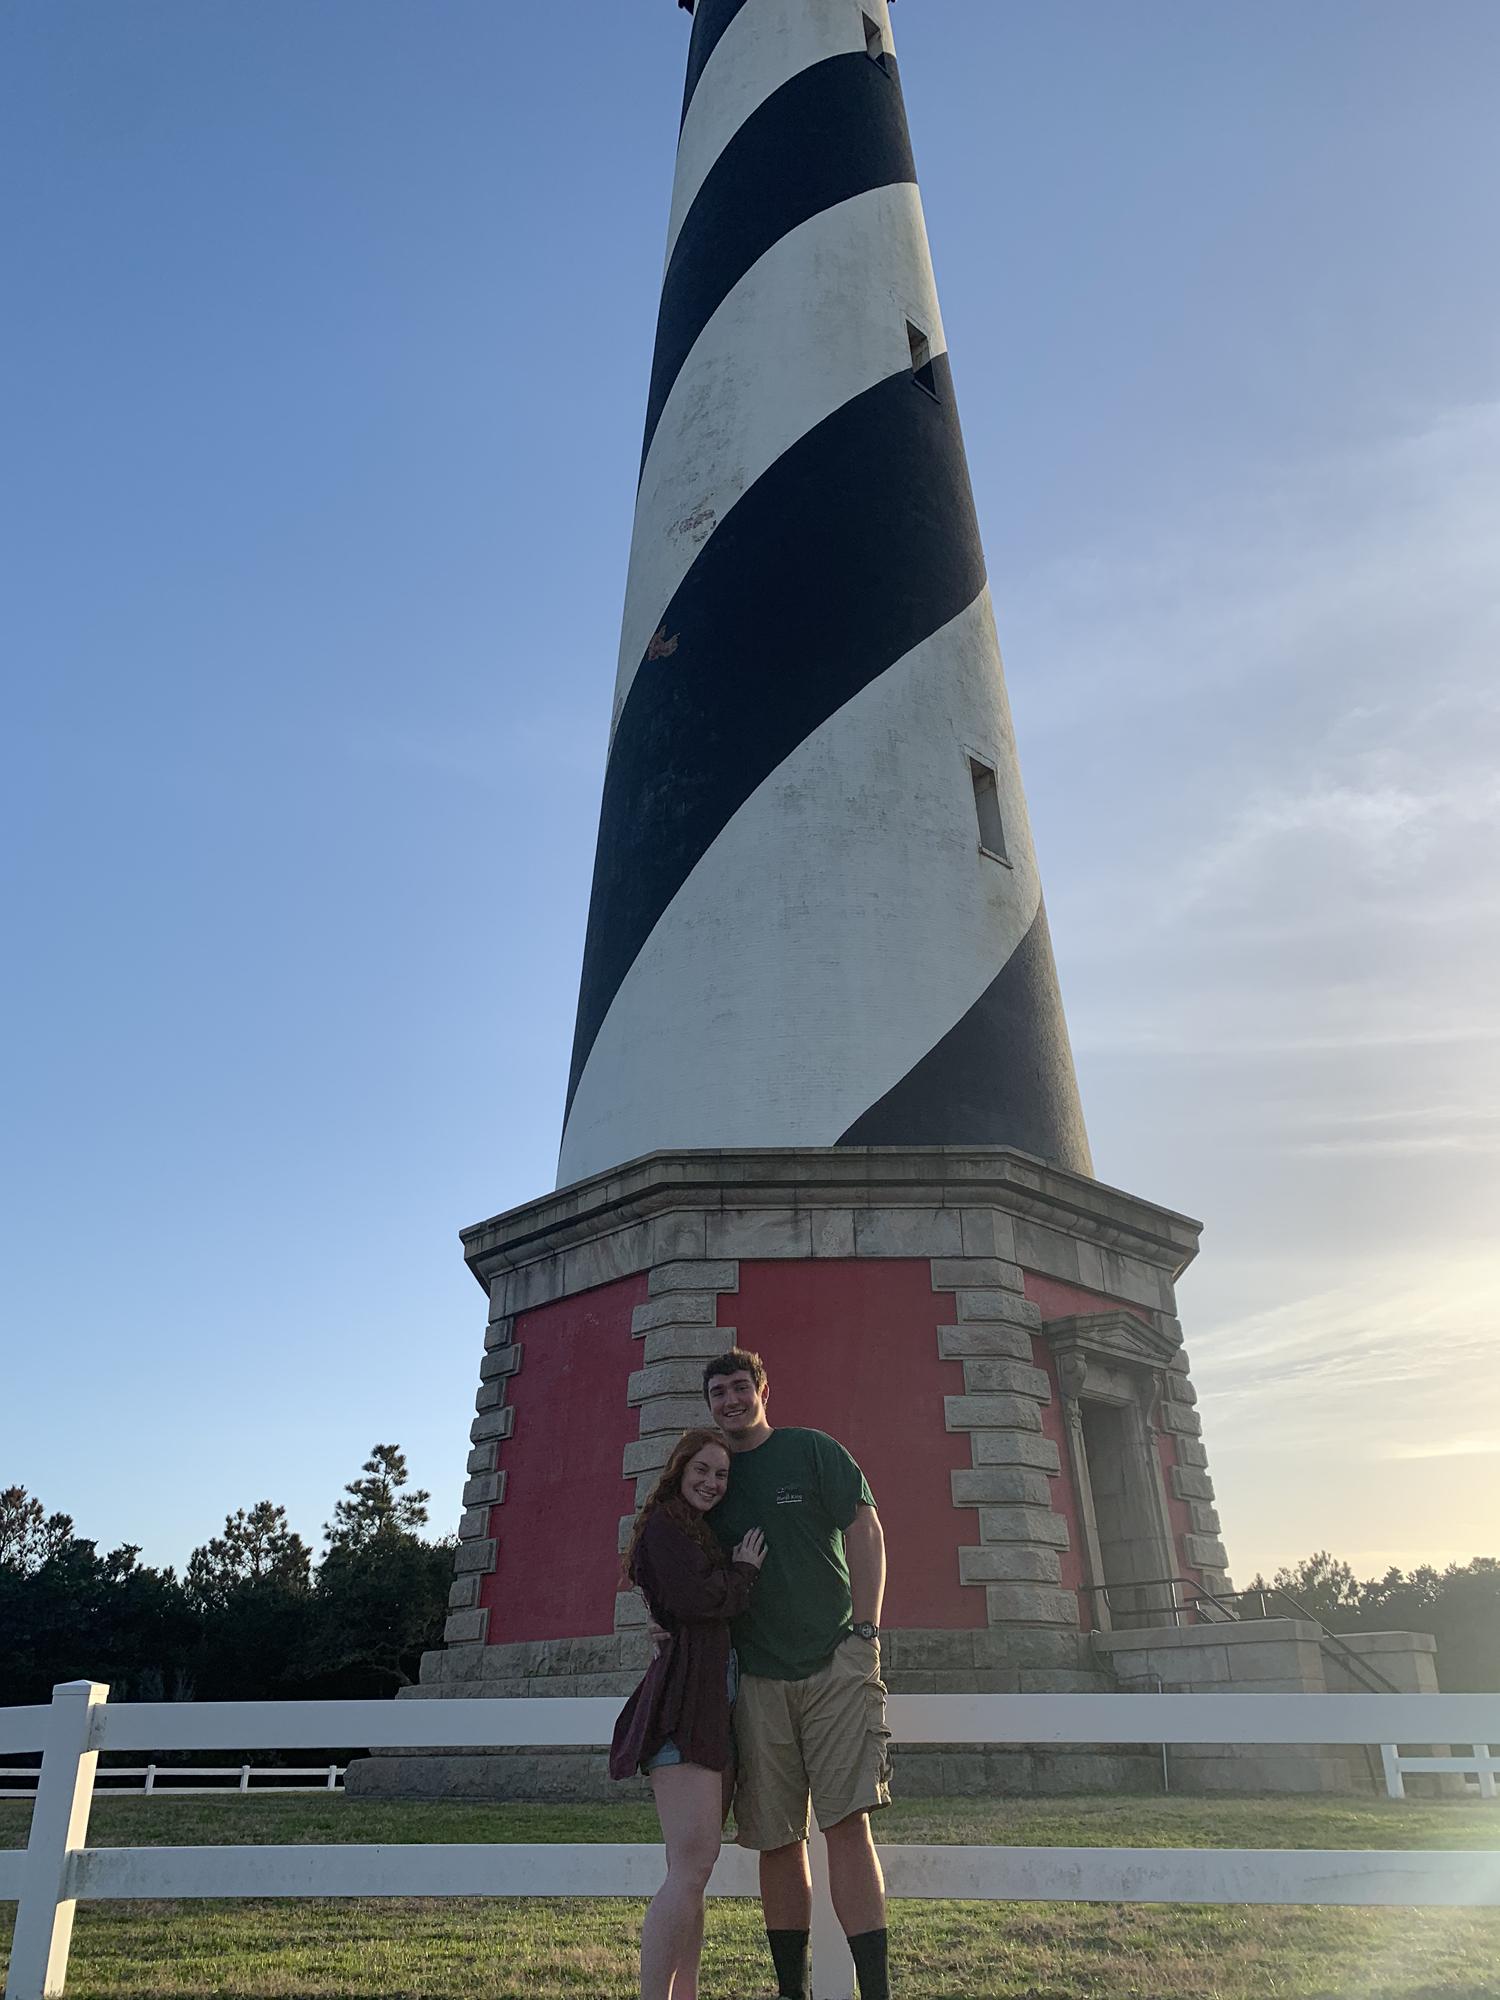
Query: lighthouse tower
x=821, y=1099
x=816, y=918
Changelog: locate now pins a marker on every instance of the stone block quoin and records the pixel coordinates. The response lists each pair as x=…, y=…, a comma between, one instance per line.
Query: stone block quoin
x=1017, y=1561
x=478, y=1546
x=679, y=1330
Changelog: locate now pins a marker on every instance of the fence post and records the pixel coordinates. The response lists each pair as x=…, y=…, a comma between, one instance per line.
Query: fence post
x=1486, y=1776
x=1390, y=1758
x=59, y=1827
x=833, y=1968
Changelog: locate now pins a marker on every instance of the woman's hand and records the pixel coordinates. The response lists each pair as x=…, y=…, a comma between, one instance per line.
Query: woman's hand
x=751, y=1549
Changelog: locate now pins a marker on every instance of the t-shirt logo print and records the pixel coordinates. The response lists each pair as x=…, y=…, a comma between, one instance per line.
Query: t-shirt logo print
x=790, y=1496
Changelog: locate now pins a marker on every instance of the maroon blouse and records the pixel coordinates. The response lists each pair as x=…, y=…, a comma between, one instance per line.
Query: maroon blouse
x=684, y=1695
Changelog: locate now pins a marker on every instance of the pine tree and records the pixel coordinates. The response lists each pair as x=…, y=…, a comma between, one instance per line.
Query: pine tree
x=376, y=1507
x=30, y=1537
x=255, y=1548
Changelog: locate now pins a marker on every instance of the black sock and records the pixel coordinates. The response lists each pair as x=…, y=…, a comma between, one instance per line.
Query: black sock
x=792, y=1957
x=868, y=1953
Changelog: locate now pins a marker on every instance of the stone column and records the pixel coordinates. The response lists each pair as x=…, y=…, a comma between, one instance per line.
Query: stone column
x=1013, y=1465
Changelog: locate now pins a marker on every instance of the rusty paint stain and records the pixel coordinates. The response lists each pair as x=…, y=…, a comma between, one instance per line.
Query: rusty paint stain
x=661, y=647
x=699, y=524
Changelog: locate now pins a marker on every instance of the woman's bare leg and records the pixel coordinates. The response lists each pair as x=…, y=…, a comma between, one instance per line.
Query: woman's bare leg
x=689, y=1802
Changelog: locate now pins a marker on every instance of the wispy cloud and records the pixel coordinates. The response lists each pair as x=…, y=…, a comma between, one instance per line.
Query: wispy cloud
x=1171, y=1042
x=1283, y=922
x=1395, y=1130
x=1443, y=1114
x=1379, y=834
x=1370, y=1368
x=1467, y=1447
x=1394, y=543
x=1408, y=1145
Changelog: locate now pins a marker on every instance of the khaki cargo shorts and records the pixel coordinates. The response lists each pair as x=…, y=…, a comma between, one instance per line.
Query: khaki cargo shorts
x=825, y=1737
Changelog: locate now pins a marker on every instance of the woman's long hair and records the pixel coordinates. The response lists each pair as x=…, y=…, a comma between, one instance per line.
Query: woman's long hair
x=666, y=1495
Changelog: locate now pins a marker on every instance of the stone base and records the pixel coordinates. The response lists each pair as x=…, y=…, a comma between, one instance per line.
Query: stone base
x=928, y=1771
x=1029, y=1314
x=1296, y=1768
x=1264, y=1656
x=1018, y=1325
x=523, y=1777
x=1022, y=1770
x=1019, y=1661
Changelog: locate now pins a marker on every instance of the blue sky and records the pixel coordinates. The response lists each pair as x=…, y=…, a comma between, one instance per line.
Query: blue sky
x=324, y=361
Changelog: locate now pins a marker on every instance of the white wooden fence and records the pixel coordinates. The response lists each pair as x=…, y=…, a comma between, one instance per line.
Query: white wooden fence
x=162, y=1780
x=1482, y=1761
x=58, y=1868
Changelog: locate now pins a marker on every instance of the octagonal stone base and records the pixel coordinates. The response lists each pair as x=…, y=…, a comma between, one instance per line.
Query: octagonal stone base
x=994, y=1338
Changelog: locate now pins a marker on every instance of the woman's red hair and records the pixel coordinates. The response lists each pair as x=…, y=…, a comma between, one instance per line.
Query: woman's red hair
x=667, y=1496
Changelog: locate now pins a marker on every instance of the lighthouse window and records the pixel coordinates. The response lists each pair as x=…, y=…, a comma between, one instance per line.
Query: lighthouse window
x=874, y=40
x=921, y=359
x=987, y=810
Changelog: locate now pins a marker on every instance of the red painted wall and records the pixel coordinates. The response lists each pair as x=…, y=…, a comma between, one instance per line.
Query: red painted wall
x=559, y=1524
x=850, y=1347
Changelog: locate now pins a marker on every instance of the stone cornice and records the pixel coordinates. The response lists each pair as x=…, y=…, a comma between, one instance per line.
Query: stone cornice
x=822, y=1178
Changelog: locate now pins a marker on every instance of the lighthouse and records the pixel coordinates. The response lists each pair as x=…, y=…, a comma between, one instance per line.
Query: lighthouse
x=817, y=917
x=821, y=1101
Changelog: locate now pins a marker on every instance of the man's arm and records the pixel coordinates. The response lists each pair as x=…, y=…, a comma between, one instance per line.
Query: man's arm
x=864, y=1549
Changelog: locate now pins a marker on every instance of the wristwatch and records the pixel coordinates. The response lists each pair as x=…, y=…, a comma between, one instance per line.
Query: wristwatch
x=863, y=1629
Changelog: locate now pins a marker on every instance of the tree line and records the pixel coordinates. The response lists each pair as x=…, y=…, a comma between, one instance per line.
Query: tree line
x=1459, y=1606
x=253, y=1617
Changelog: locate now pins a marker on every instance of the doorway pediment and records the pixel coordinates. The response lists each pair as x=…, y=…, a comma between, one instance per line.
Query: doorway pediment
x=1116, y=1337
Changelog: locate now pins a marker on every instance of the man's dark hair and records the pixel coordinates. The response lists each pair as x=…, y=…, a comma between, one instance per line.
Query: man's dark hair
x=738, y=1361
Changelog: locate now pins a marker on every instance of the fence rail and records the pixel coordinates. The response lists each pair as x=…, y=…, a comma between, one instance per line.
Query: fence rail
x=158, y=1780
x=58, y=1868
x=521, y=1722
x=24, y=1728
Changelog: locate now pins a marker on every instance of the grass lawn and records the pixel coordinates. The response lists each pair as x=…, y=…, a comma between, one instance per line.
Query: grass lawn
x=459, y=1950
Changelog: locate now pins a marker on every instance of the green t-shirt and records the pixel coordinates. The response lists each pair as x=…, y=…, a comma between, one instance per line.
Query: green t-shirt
x=801, y=1489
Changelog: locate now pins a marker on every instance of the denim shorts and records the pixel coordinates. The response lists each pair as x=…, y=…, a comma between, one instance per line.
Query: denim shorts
x=669, y=1754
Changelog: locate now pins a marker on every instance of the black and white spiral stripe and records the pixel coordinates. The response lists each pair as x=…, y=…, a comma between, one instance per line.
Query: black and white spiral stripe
x=794, y=937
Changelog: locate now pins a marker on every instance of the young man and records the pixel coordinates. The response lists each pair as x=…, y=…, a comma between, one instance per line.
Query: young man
x=810, y=1719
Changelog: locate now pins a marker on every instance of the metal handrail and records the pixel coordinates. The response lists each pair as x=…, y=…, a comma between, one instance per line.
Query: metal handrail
x=1224, y=1604
x=1353, y=1663
x=1195, y=1593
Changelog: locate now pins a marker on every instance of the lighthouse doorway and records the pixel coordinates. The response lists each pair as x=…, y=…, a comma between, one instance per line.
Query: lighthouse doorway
x=1121, y=1495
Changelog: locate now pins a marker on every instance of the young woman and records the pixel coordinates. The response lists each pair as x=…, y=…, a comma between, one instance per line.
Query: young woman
x=676, y=1726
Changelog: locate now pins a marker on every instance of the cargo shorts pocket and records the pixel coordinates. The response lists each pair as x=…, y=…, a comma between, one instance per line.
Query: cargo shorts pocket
x=846, y=1737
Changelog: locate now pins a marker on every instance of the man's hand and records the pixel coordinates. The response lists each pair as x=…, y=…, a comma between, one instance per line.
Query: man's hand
x=659, y=1634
